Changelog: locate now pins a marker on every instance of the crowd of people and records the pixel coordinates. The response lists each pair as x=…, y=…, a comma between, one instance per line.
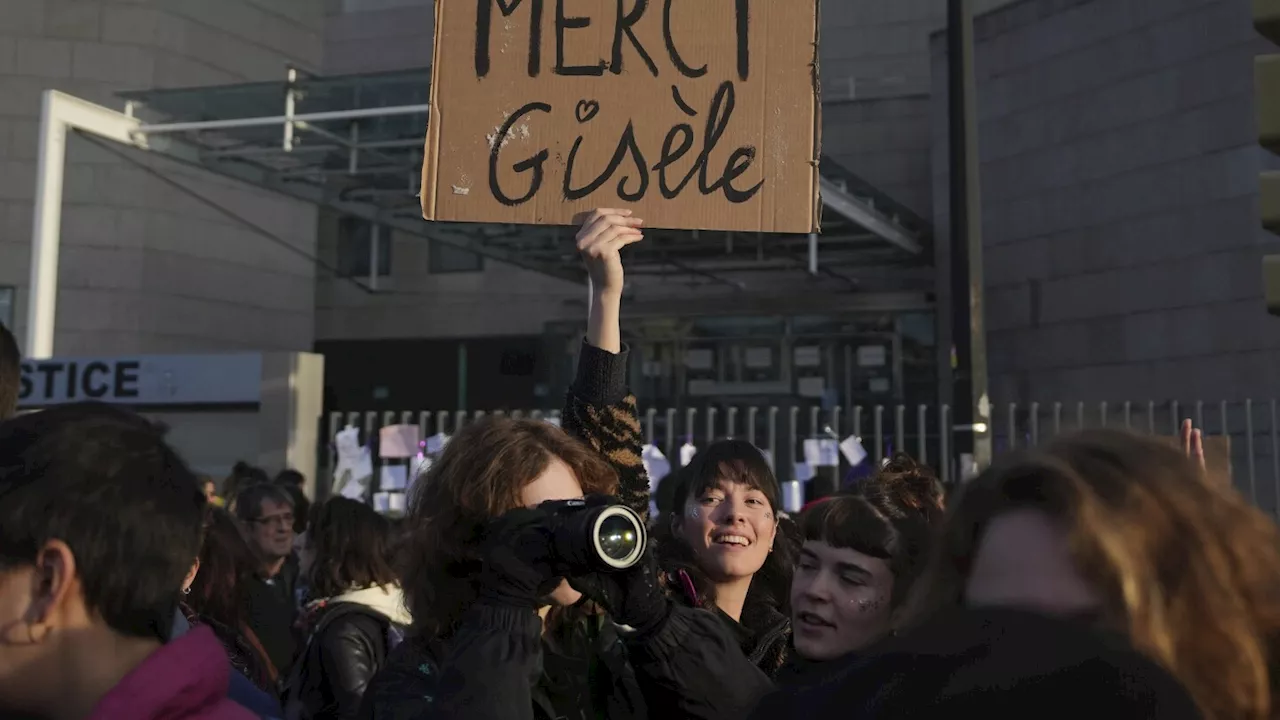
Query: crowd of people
x=1103, y=573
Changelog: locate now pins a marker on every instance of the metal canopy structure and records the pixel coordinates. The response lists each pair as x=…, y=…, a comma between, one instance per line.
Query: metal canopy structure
x=353, y=144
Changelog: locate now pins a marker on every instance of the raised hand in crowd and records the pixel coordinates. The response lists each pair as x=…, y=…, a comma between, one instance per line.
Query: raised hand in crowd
x=1193, y=443
x=604, y=232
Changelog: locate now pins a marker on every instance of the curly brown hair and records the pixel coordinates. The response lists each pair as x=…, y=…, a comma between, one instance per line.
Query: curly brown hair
x=479, y=476
x=906, y=483
x=1186, y=567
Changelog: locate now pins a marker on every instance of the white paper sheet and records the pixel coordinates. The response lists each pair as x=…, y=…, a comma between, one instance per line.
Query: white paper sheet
x=822, y=452
x=655, y=464
x=687, y=451
x=352, y=480
x=792, y=496
x=394, y=477
x=347, y=444
x=398, y=441
x=852, y=449
x=803, y=472
x=436, y=443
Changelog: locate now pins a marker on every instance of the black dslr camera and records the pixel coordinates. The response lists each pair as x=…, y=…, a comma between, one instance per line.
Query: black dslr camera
x=597, y=534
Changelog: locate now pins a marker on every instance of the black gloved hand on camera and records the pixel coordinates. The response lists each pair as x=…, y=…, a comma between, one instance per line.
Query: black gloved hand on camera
x=519, y=562
x=632, y=597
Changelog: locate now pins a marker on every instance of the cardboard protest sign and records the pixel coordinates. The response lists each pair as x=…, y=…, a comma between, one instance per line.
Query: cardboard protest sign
x=696, y=114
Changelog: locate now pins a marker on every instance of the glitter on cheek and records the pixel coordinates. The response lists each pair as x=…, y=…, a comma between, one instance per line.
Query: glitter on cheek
x=865, y=605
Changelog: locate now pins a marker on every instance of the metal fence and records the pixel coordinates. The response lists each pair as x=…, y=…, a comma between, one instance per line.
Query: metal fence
x=924, y=431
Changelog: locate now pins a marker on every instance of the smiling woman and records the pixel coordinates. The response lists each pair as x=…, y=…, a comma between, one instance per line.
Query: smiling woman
x=721, y=548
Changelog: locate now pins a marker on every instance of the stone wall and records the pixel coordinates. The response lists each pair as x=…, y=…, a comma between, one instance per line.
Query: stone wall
x=1122, y=244
x=145, y=268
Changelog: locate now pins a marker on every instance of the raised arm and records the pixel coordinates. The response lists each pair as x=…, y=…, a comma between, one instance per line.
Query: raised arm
x=599, y=408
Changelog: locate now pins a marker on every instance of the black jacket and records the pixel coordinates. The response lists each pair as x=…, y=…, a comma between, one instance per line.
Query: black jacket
x=764, y=632
x=271, y=612
x=497, y=668
x=349, y=646
x=992, y=663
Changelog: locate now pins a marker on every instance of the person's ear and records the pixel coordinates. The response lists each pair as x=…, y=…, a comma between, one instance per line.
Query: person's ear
x=191, y=576
x=54, y=585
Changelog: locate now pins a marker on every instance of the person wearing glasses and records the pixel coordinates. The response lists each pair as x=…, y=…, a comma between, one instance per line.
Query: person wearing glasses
x=266, y=512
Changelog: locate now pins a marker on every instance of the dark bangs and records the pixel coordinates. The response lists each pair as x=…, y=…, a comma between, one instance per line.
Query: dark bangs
x=734, y=460
x=852, y=523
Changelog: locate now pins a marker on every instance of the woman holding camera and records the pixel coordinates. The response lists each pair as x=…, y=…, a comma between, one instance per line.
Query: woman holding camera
x=499, y=632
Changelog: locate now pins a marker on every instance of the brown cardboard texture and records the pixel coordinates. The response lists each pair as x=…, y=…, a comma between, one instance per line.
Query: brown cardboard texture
x=698, y=114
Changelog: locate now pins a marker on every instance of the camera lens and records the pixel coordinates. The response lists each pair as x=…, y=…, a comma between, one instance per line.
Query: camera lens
x=619, y=537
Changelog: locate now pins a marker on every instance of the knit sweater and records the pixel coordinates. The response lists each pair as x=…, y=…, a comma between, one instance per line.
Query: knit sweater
x=601, y=411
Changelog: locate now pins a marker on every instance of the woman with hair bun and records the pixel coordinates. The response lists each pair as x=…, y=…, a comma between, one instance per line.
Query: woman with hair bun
x=862, y=553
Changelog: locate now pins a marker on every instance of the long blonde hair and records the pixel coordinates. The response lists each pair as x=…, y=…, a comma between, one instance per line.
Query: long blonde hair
x=1186, y=567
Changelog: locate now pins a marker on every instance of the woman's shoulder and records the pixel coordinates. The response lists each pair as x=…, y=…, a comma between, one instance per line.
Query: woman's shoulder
x=348, y=620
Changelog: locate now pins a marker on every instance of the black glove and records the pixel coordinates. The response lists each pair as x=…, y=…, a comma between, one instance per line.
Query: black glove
x=632, y=597
x=519, y=567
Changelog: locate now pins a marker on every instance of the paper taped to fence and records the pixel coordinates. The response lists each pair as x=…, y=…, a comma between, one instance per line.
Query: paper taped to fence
x=398, y=441
x=700, y=114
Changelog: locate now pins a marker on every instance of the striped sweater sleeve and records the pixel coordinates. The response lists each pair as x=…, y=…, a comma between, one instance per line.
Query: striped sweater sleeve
x=601, y=411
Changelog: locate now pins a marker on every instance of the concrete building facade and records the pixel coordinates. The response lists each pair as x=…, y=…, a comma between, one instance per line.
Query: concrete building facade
x=145, y=267
x=1120, y=161
x=1118, y=155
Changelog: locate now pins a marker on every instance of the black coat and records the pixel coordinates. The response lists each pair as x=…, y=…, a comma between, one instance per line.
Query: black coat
x=349, y=645
x=497, y=667
x=763, y=633
x=991, y=663
x=271, y=612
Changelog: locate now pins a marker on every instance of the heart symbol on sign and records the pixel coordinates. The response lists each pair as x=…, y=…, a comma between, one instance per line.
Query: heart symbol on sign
x=586, y=110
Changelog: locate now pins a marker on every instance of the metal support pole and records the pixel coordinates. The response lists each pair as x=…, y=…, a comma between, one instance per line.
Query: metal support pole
x=971, y=401
x=42, y=298
x=58, y=113
x=290, y=103
x=813, y=253
x=462, y=375
x=375, y=236
x=353, y=159
x=267, y=121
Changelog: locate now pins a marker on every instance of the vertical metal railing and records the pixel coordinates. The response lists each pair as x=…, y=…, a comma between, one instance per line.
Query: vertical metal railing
x=1252, y=430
